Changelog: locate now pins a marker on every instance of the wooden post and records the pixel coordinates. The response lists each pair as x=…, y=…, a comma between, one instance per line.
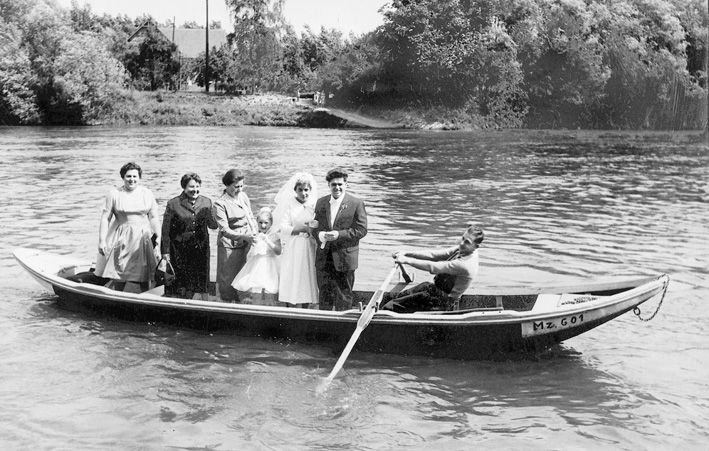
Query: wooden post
x=206, y=50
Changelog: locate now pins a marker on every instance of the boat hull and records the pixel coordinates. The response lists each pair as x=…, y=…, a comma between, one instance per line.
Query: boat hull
x=466, y=341
x=478, y=333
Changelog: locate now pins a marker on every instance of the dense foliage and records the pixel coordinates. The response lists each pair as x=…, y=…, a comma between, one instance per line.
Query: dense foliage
x=573, y=63
x=500, y=63
x=69, y=67
x=152, y=61
x=44, y=75
x=490, y=63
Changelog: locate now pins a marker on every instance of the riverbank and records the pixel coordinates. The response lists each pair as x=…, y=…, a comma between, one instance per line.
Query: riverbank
x=200, y=109
x=197, y=108
x=216, y=109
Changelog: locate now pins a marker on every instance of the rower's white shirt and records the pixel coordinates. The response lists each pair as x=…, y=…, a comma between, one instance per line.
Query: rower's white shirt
x=334, y=208
x=440, y=261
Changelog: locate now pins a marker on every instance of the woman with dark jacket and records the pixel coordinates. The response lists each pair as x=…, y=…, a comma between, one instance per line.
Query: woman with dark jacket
x=185, y=239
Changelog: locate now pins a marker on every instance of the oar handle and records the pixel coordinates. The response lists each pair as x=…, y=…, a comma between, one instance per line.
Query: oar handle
x=404, y=274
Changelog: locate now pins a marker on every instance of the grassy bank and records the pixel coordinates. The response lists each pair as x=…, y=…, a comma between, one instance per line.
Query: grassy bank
x=196, y=108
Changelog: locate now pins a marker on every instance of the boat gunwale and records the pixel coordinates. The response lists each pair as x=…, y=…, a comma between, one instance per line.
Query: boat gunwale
x=585, y=288
x=470, y=318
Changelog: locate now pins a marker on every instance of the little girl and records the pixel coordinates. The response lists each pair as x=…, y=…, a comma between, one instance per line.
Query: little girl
x=257, y=282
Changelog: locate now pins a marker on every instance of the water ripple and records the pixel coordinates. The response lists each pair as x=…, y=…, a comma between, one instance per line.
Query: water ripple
x=557, y=207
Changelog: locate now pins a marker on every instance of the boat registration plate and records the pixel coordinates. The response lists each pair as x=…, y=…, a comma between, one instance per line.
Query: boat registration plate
x=547, y=326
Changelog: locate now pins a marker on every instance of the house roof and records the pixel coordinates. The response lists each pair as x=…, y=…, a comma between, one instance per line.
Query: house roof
x=191, y=41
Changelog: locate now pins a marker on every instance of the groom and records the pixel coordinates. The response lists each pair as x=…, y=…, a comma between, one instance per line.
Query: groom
x=342, y=222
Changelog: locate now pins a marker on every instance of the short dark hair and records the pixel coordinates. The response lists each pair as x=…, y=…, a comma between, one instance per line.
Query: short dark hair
x=336, y=173
x=129, y=167
x=189, y=177
x=231, y=176
x=475, y=233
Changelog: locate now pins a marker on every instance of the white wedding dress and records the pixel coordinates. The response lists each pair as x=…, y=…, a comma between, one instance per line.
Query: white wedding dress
x=298, y=283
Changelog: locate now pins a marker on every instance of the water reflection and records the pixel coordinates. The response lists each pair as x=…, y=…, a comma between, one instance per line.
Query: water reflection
x=190, y=378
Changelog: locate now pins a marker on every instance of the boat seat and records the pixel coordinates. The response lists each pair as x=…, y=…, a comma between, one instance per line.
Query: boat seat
x=157, y=291
x=546, y=303
x=498, y=302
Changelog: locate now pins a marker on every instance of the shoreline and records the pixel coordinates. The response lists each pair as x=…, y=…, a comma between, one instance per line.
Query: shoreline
x=196, y=108
x=199, y=109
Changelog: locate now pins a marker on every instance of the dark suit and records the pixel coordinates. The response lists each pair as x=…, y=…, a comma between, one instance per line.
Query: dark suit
x=185, y=238
x=336, y=263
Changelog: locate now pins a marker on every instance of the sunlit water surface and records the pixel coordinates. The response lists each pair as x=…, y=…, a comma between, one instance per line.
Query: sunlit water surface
x=560, y=207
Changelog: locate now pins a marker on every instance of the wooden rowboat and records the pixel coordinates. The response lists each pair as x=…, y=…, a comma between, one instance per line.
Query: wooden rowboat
x=491, y=324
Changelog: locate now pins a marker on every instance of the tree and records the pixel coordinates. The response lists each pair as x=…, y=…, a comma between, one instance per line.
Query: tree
x=114, y=31
x=152, y=62
x=18, y=102
x=453, y=52
x=650, y=86
x=321, y=48
x=293, y=59
x=625, y=63
x=88, y=87
x=222, y=70
x=191, y=24
x=565, y=71
x=352, y=72
x=257, y=52
x=50, y=72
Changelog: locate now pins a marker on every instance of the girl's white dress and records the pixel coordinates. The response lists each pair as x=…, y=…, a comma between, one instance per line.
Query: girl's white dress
x=261, y=271
x=298, y=284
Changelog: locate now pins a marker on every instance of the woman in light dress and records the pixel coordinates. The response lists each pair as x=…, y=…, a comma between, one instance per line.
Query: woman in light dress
x=237, y=227
x=257, y=282
x=294, y=213
x=128, y=233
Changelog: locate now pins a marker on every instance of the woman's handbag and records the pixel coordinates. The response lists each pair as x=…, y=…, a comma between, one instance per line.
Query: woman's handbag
x=164, y=274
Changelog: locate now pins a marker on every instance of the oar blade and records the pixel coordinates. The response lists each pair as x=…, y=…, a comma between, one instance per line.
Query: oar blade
x=362, y=322
x=341, y=361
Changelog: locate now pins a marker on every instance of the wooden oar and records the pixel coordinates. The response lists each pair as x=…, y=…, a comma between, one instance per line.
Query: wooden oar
x=362, y=322
x=407, y=278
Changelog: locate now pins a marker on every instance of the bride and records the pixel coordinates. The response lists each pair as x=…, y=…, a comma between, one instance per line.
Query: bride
x=293, y=217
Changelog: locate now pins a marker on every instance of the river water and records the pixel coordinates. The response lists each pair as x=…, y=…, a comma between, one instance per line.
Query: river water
x=560, y=207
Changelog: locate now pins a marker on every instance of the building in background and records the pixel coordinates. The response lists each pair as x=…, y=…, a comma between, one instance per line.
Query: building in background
x=190, y=44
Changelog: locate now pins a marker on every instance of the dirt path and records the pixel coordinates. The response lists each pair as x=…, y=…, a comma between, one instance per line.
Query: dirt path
x=355, y=119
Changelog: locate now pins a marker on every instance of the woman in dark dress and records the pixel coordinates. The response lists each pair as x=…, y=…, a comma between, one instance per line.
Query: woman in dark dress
x=185, y=239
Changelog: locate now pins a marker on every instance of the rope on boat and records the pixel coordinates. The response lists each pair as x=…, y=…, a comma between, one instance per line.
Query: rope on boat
x=666, y=282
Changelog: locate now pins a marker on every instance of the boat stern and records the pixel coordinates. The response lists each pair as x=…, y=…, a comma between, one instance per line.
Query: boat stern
x=43, y=266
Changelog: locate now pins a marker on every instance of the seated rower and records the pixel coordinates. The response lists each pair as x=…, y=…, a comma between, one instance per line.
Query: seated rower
x=455, y=268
